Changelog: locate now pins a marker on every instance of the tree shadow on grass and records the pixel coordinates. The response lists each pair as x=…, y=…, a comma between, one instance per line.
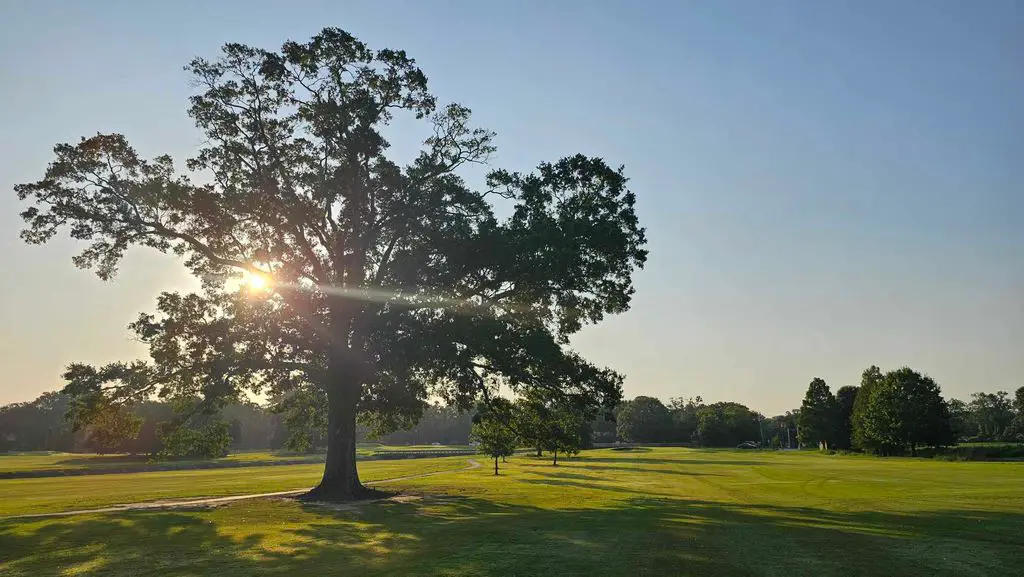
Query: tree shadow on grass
x=623, y=468
x=471, y=536
x=681, y=462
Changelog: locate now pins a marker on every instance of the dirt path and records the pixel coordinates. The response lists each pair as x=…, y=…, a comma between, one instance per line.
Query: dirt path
x=213, y=501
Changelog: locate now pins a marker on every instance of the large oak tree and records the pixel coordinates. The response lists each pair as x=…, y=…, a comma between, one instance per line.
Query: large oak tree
x=390, y=282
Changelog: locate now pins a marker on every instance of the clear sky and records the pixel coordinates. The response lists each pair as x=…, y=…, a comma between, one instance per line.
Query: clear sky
x=826, y=185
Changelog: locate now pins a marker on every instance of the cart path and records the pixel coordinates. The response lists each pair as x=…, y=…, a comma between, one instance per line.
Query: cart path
x=206, y=501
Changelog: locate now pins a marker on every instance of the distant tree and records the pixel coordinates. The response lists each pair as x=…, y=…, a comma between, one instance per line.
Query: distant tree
x=643, y=420
x=495, y=437
x=906, y=411
x=603, y=429
x=386, y=281
x=38, y=425
x=252, y=424
x=1015, y=431
x=529, y=420
x=585, y=434
x=845, y=399
x=781, y=430
x=869, y=379
x=235, y=431
x=961, y=422
x=726, y=424
x=684, y=417
x=992, y=413
x=444, y=424
x=819, y=416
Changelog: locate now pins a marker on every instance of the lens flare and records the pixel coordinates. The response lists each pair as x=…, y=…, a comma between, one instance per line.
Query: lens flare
x=255, y=281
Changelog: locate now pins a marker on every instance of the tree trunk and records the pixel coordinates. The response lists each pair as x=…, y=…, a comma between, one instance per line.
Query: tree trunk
x=555, y=462
x=495, y=464
x=341, y=478
x=539, y=452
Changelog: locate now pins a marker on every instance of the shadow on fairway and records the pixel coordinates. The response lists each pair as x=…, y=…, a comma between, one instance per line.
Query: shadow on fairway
x=583, y=465
x=469, y=536
x=626, y=461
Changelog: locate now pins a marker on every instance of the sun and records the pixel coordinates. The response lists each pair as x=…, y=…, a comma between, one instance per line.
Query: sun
x=255, y=281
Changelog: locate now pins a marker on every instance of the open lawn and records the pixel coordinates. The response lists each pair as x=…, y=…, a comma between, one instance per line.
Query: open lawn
x=76, y=462
x=17, y=463
x=55, y=494
x=654, y=512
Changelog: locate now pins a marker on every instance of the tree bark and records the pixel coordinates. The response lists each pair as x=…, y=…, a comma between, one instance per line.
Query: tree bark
x=555, y=462
x=341, y=478
x=495, y=465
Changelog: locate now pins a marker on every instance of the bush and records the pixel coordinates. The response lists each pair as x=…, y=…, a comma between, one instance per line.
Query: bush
x=975, y=452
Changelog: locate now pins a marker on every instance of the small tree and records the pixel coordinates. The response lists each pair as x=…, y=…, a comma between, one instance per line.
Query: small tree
x=564, y=436
x=495, y=438
x=819, y=415
x=528, y=417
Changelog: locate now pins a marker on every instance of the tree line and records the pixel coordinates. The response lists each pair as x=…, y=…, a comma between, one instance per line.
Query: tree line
x=889, y=413
x=902, y=410
x=161, y=430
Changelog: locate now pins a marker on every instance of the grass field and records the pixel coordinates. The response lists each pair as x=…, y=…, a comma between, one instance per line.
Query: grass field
x=17, y=463
x=55, y=494
x=648, y=512
x=78, y=461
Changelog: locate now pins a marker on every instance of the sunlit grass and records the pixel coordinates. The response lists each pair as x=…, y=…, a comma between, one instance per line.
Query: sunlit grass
x=53, y=494
x=656, y=512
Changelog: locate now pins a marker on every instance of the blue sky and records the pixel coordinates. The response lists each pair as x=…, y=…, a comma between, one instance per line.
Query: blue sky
x=826, y=185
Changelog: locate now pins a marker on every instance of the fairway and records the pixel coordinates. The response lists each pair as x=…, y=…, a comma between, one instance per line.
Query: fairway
x=650, y=511
x=56, y=494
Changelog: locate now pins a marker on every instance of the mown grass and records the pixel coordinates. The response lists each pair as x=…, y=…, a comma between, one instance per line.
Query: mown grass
x=76, y=462
x=653, y=512
x=54, y=494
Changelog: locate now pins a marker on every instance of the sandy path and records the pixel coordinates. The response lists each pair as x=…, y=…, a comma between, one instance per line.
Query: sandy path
x=208, y=501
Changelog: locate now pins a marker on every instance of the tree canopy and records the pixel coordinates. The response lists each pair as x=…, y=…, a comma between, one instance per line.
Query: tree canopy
x=493, y=435
x=868, y=380
x=846, y=397
x=726, y=424
x=387, y=282
x=906, y=411
x=643, y=420
x=819, y=415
